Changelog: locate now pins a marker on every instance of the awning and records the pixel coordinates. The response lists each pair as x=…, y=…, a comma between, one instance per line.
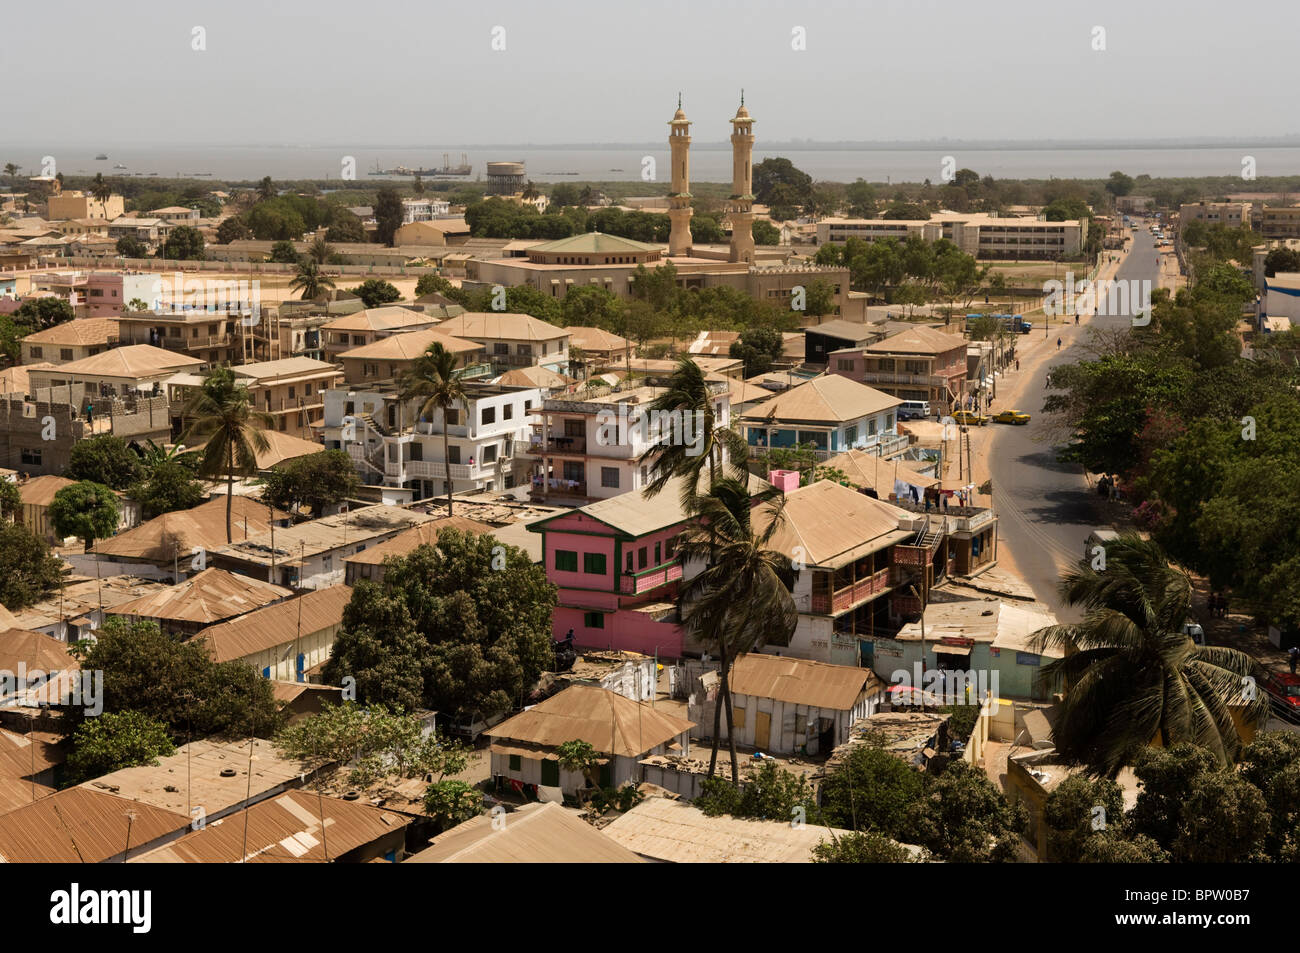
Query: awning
x=942, y=649
x=536, y=754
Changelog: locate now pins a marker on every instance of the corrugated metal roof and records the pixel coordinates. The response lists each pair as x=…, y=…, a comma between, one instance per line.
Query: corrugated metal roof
x=380, y=319
x=676, y=832
x=80, y=331
x=869, y=470
x=534, y=834
x=39, y=491
x=296, y=827
x=35, y=649
x=323, y=535
x=833, y=525
x=209, y=596
x=424, y=534
x=607, y=721
x=505, y=326
x=278, y=624
x=409, y=345
x=78, y=825
x=801, y=681
x=164, y=538
x=918, y=340
x=131, y=361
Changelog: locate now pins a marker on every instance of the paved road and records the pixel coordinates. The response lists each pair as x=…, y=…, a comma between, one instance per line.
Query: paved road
x=1047, y=509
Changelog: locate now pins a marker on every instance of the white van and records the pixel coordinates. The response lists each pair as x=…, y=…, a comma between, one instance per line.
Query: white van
x=910, y=409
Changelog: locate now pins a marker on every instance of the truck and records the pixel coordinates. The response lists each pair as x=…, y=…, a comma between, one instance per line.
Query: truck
x=1015, y=323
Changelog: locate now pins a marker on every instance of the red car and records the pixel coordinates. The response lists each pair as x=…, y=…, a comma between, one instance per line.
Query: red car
x=1284, y=691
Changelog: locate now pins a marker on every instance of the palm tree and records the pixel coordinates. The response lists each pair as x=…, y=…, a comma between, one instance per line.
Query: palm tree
x=11, y=170
x=433, y=381
x=688, y=394
x=100, y=190
x=320, y=250
x=742, y=597
x=310, y=280
x=266, y=189
x=1132, y=676
x=221, y=412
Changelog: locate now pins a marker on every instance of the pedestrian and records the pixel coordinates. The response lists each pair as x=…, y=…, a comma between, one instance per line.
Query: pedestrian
x=1076, y=319
x=1017, y=363
x=1292, y=657
x=1058, y=344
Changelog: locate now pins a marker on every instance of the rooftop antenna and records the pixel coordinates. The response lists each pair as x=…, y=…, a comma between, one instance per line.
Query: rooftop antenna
x=679, y=99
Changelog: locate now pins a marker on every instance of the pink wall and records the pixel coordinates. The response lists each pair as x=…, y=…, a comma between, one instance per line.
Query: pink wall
x=624, y=631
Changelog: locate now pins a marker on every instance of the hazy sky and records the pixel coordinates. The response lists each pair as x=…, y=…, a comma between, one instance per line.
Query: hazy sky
x=337, y=72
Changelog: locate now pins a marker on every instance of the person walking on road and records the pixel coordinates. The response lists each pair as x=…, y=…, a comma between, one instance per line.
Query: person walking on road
x=1058, y=344
x=1292, y=657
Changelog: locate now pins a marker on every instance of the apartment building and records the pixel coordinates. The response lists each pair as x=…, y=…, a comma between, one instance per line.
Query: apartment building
x=371, y=325
x=212, y=336
x=978, y=234
x=176, y=215
x=29, y=445
x=291, y=390
x=150, y=231
x=390, y=447
x=1279, y=221
x=70, y=205
x=423, y=209
x=1231, y=214
x=589, y=448
x=128, y=370
x=918, y=364
x=390, y=359
x=513, y=340
x=832, y=413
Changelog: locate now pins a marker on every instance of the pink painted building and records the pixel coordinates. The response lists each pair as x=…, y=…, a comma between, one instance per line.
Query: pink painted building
x=616, y=566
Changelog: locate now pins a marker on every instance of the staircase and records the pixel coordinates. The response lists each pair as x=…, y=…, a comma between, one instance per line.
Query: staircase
x=374, y=425
x=929, y=535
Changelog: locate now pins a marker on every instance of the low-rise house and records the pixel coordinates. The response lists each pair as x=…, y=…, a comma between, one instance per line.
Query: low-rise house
x=37, y=494
x=599, y=349
x=27, y=765
x=296, y=827
x=791, y=706
x=121, y=371
x=213, y=336
x=917, y=364
x=70, y=341
x=311, y=555
x=674, y=832
x=282, y=640
x=620, y=730
x=210, y=596
x=49, y=668
x=291, y=391
x=972, y=642
x=832, y=413
x=82, y=605
x=533, y=834
x=174, y=540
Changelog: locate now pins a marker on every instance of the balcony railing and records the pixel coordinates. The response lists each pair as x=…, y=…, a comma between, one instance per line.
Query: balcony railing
x=637, y=584
x=843, y=599
x=314, y=402
x=437, y=470
x=188, y=343
x=561, y=487
x=557, y=445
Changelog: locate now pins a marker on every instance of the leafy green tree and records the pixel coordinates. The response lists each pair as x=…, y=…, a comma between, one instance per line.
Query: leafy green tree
x=233, y=229
x=906, y=211
x=11, y=500
x=1271, y=763
x=275, y=221
x=283, y=253
x=1225, y=821
x=116, y=740
x=41, y=313
x=580, y=757
x=374, y=292
x=344, y=226
x=1281, y=259
x=372, y=743
x=1066, y=210
x=1167, y=775
x=86, y=510
x=1120, y=184
x=765, y=233
x=388, y=216
x=221, y=414
x=170, y=486
x=452, y=802
x=266, y=189
x=770, y=175
x=28, y=570
x=185, y=243
x=1133, y=675
x=758, y=347
x=871, y=789
x=104, y=459
x=820, y=298
x=128, y=246
x=963, y=818
x=434, y=384
x=771, y=794
x=316, y=481
x=176, y=683
x=861, y=199
x=589, y=306
x=1112, y=847
x=1079, y=809
x=866, y=847
x=310, y=281
x=434, y=284
x=379, y=647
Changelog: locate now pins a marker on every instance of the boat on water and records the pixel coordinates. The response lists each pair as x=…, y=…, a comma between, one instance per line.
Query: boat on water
x=447, y=169
x=101, y=157
x=119, y=166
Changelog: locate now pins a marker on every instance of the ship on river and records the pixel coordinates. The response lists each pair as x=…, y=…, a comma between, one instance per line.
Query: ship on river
x=447, y=169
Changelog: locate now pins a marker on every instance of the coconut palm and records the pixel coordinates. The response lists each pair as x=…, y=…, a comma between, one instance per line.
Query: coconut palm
x=100, y=190
x=1131, y=676
x=742, y=598
x=715, y=445
x=433, y=382
x=11, y=170
x=310, y=281
x=220, y=412
x=320, y=250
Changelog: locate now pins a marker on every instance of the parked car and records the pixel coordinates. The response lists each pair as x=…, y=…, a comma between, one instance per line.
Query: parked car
x=914, y=409
x=1194, y=632
x=969, y=417
x=1011, y=417
x=1284, y=692
x=468, y=727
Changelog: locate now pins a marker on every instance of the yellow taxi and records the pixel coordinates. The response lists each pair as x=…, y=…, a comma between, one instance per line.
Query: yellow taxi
x=1011, y=417
x=969, y=417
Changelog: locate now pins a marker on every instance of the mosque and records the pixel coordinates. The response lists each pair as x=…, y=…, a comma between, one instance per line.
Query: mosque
x=768, y=273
